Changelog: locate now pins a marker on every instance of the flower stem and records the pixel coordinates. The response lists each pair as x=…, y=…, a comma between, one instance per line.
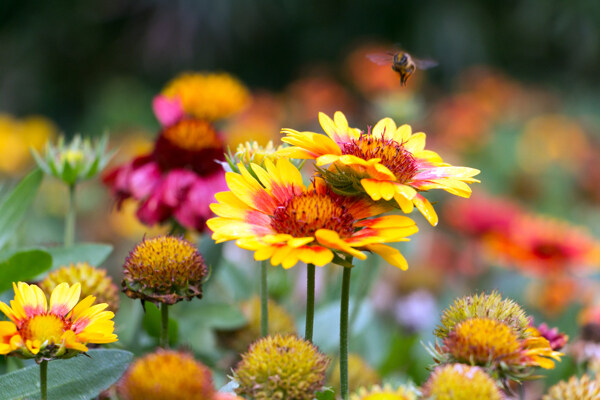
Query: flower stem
x=344, y=332
x=310, y=301
x=164, y=325
x=70, y=218
x=44, y=380
x=264, y=300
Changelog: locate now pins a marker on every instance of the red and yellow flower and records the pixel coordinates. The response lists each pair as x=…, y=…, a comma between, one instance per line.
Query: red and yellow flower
x=280, y=219
x=388, y=162
x=58, y=330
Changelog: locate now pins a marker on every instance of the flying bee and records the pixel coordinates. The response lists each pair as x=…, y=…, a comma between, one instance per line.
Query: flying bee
x=402, y=63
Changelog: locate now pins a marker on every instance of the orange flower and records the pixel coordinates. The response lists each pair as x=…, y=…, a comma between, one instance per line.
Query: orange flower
x=386, y=163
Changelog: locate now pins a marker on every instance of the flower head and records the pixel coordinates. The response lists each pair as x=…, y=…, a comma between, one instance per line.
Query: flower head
x=388, y=162
x=164, y=269
x=278, y=218
x=460, y=382
x=252, y=153
x=210, y=96
x=94, y=281
x=280, y=322
x=76, y=161
x=584, y=388
x=385, y=393
x=360, y=374
x=167, y=375
x=281, y=367
x=58, y=330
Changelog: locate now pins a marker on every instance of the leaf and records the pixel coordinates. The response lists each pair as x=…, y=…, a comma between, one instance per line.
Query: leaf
x=23, y=266
x=326, y=394
x=14, y=205
x=79, y=378
x=92, y=253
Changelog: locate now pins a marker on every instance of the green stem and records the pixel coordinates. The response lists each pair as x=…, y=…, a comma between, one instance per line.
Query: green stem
x=164, y=325
x=344, y=332
x=70, y=218
x=310, y=301
x=44, y=380
x=264, y=300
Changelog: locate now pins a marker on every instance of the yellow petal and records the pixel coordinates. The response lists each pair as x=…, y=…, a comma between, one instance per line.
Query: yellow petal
x=426, y=208
x=389, y=254
x=332, y=239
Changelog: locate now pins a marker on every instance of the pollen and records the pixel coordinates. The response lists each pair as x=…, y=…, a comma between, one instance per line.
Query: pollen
x=481, y=340
x=393, y=155
x=43, y=328
x=192, y=134
x=303, y=215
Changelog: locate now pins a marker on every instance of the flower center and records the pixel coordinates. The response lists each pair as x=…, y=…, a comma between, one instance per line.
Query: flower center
x=482, y=340
x=392, y=154
x=384, y=396
x=549, y=251
x=192, y=134
x=303, y=215
x=43, y=328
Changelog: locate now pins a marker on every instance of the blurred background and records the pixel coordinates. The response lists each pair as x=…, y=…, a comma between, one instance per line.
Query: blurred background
x=515, y=94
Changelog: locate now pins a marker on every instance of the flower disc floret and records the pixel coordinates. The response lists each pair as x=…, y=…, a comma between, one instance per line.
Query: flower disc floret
x=94, y=281
x=387, y=163
x=165, y=269
x=385, y=393
x=460, y=382
x=61, y=329
x=281, y=368
x=272, y=213
x=167, y=375
x=584, y=388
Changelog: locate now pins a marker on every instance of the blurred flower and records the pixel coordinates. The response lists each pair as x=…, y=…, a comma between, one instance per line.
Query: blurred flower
x=281, y=220
x=552, y=295
x=370, y=78
x=416, y=311
x=167, y=375
x=251, y=153
x=548, y=137
x=94, y=282
x=76, y=161
x=210, y=96
x=386, y=163
x=544, y=246
x=280, y=322
x=125, y=223
x=21, y=135
x=482, y=215
x=360, y=374
x=584, y=388
x=164, y=269
x=226, y=396
x=308, y=96
x=487, y=331
x=60, y=330
x=178, y=179
x=460, y=382
x=385, y=393
x=281, y=367
x=557, y=339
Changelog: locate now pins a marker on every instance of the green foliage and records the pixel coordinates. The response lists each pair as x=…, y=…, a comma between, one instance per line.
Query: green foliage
x=92, y=253
x=15, y=204
x=79, y=378
x=23, y=266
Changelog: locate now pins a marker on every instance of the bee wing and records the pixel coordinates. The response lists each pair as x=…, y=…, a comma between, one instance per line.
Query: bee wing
x=425, y=64
x=381, y=58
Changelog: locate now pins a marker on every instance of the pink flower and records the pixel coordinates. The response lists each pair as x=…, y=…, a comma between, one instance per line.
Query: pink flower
x=168, y=111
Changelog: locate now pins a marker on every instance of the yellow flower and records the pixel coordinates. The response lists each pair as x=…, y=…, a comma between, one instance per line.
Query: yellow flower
x=167, y=375
x=385, y=393
x=281, y=367
x=60, y=330
x=164, y=269
x=583, y=388
x=360, y=374
x=252, y=152
x=210, y=96
x=460, y=382
x=387, y=163
x=278, y=218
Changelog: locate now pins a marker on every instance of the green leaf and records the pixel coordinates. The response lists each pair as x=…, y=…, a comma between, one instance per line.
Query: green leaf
x=92, y=253
x=79, y=378
x=326, y=394
x=23, y=266
x=14, y=206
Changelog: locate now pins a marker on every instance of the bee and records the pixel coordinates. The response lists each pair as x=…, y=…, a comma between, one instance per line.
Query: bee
x=402, y=63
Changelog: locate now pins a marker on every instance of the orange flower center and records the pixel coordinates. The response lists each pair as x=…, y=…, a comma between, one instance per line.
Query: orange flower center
x=192, y=134
x=303, y=215
x=393, y=155
x=43, y=327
